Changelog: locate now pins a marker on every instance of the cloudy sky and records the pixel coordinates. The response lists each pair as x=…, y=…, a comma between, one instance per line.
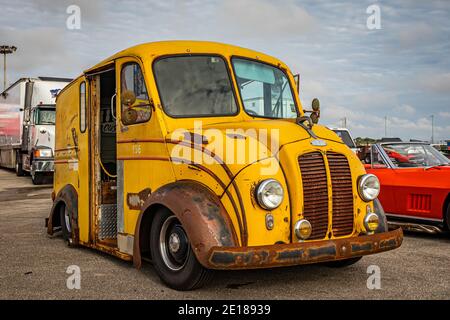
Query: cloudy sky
x=401, y=71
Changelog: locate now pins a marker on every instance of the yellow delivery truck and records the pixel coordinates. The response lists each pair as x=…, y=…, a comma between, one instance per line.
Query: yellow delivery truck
x=199, y=156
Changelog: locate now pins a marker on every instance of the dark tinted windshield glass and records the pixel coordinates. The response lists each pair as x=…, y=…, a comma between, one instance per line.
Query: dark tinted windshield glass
x=194, y=86
x=46, y=116
x=345, y=136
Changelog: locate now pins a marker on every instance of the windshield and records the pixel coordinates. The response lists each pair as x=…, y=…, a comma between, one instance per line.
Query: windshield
x=45, y=116
x=265, y=90
x=414, y=155
x=346, y=138
x=192, y=86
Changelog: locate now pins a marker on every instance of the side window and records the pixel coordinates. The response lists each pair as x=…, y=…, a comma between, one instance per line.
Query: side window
x=83, y=106
x=135, y=104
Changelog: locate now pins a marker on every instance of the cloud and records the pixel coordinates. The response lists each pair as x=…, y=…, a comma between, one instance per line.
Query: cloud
x=415, y=34
x=405, y=109
x=401, y=71
x=264, y=18
x=90, y=10
x=40, y=52
x=436, y=83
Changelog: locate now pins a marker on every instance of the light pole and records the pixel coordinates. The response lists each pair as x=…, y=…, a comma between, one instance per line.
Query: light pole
x=385, y=126
x=432, y=129
x=6, y=50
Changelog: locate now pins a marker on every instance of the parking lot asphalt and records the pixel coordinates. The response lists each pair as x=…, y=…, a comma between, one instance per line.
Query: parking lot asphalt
x=33, y=265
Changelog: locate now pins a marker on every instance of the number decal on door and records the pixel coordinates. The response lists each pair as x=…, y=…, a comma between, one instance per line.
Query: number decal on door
x=136, y=149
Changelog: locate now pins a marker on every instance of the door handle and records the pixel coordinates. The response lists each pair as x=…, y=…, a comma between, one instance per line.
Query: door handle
x=112, y=105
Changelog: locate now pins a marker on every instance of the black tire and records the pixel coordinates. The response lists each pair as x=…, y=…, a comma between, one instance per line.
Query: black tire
x=342, y=263
x=19, y=168
x=65, y=217
x=447, y=218
x=179, y=270
x=37, y=178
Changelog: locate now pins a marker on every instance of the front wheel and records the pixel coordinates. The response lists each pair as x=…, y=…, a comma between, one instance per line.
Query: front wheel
x=342, y=263
x=37, y=178
x=172, y=255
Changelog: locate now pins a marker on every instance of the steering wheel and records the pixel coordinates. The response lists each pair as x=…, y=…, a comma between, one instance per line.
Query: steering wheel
x=251, y=112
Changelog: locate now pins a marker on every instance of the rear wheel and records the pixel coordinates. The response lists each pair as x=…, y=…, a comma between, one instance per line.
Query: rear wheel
x=172, y=255
x=342, y=263
x=19, y=168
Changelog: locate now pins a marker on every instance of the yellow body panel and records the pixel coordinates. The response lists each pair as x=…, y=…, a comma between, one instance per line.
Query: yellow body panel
x=146, y=149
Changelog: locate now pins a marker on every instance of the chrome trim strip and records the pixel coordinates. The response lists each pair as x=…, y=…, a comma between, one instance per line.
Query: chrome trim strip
x=413, y=217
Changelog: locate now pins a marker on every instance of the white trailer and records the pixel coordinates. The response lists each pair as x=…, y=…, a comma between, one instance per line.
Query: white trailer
x=27, y=126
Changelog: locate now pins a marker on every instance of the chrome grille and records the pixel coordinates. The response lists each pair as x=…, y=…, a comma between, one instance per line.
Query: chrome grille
x=341, y=182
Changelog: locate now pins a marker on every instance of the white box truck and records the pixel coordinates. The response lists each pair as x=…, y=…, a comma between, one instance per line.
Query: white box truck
x=27, y=126
x=346, y=137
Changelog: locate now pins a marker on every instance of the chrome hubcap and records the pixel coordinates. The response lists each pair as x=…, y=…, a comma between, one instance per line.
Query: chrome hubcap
x=173, y=244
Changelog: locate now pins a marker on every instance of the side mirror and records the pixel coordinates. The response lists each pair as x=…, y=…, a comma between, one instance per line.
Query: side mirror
x=129, y=116
x=134, y=110
x=128, y=98
x=315, y=114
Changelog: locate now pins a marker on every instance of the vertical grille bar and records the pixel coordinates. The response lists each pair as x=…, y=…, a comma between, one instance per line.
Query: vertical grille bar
x=341, y=180
x=315, y=193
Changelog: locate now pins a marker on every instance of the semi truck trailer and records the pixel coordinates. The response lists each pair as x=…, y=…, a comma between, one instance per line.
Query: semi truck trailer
x=27, y=126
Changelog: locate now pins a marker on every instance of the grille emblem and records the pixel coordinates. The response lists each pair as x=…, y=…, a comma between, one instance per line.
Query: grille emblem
x=318, y=143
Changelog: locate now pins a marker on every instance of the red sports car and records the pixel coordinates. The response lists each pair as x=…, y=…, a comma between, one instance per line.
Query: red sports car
x=415, y=184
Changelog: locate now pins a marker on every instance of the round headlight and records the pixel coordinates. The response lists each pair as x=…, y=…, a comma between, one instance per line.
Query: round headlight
x=270, y=194
x=368, y=187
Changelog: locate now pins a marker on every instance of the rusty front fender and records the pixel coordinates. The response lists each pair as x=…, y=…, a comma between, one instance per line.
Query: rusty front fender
x=199, y=210
x=69, y=197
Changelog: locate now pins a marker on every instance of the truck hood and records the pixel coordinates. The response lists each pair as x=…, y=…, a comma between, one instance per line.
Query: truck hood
x=229, y=141
x=282, y=131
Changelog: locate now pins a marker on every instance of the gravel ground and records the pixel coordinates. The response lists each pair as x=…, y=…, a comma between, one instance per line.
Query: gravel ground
x=33, y=265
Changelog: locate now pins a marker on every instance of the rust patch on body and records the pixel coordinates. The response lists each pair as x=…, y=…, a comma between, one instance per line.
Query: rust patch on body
x=135, y=201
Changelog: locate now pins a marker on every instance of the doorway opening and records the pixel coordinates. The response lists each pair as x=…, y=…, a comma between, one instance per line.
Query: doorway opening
x=106, y=159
